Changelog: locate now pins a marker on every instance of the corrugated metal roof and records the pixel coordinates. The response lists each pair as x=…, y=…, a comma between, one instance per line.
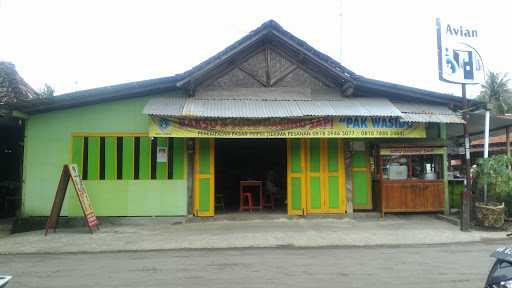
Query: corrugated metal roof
x=165, y=105
x=420, y=112
x=226, y=108
x=293, y=102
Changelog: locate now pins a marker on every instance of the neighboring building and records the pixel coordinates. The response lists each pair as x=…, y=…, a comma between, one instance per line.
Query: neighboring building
x=497, y=144
x=15, y=94
x=267, y=108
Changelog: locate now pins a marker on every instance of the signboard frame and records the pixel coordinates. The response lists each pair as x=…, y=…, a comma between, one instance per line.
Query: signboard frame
x=70, y=172
x=456, y=49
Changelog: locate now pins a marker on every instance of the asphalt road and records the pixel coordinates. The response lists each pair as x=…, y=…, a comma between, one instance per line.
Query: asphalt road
x=454, y=265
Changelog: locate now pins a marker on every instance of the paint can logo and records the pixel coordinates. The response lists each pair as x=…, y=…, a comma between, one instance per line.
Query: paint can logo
x=163, y=124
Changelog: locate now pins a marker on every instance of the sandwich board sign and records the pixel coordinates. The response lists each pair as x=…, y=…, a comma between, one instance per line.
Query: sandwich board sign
x=457, y=53
x=70, y=172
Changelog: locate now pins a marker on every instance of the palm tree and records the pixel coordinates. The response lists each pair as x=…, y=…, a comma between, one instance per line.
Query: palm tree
x=496, y=92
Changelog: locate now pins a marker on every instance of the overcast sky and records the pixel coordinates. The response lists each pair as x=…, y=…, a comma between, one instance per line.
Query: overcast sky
x=75, y=45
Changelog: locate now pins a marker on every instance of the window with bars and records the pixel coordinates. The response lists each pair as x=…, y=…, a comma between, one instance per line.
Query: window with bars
x=128, y=157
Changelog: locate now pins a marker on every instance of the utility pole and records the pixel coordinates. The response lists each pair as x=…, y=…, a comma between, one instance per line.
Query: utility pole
x=466, y=195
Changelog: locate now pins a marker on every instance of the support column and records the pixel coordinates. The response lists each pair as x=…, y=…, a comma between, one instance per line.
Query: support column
x=442, y=130
x=445, y=180
x=190, y=175
x=348, y=177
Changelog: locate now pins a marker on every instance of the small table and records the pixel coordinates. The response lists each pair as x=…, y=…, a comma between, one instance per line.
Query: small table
x=253, y=183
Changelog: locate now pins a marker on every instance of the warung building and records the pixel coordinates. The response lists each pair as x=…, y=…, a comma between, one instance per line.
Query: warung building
x=268, y=123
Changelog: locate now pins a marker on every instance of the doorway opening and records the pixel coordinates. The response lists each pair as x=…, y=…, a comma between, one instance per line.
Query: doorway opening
x=11, y=155
x=256, y=160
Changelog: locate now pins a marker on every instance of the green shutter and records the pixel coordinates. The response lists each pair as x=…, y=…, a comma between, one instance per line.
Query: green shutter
x=332, y=155
x=110, y=158
x=314, y=155
x=145, y=158
x=295, y=156
x=334, y=192
x=77, y=152
x=296, y=191
x=204, y=160
x=128, y=157
x=315, y=192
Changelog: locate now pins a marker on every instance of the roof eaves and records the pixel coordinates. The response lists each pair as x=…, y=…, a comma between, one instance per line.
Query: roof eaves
x=103, y=94
x=411, y=91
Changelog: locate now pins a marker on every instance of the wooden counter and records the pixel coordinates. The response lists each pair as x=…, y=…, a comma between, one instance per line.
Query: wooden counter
x=415, y=195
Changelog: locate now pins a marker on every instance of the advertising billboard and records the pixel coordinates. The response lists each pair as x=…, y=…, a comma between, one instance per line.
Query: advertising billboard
x=458, y=57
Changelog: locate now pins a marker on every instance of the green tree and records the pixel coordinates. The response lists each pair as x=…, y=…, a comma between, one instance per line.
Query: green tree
x=47, y=91
x=496, y=93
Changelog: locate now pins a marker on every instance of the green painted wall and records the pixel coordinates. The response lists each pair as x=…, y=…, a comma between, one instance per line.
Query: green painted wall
x=48, y=147
x=132, y=197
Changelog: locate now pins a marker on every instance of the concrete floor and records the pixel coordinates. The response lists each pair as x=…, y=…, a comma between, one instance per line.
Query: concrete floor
x=453, y=266
x=143, y=234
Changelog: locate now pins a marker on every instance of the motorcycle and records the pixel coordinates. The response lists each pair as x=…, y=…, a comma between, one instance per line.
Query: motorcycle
x=4, y=279
x=500, y=275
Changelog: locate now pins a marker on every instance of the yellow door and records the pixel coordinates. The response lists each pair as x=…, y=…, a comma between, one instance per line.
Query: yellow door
x=204, y=177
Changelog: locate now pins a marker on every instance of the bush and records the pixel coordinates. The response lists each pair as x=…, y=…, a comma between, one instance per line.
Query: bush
x=496, y=174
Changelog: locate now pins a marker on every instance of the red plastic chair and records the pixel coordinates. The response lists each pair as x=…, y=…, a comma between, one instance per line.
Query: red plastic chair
x=248, y=197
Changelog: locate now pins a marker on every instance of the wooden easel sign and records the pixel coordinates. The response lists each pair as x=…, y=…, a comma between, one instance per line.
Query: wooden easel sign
x=70, y=171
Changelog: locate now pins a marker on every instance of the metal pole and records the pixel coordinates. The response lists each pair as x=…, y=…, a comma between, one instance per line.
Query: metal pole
x=466, y=195
x=486, y=145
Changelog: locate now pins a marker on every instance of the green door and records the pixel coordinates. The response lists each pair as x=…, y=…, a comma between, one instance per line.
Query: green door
x=361, y=180
x=204, y=177
x=296, y=176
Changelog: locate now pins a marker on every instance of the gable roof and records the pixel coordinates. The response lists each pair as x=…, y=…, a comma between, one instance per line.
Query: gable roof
x=270, y=29
x=184, y=80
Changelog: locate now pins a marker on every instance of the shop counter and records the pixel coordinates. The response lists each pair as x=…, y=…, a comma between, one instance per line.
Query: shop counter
x=411, y=195
x=411, y=179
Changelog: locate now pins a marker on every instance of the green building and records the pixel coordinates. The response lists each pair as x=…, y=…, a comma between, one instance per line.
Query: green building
x=268, y=111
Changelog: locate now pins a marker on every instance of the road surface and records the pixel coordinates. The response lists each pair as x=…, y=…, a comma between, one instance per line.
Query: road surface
x=454, y=265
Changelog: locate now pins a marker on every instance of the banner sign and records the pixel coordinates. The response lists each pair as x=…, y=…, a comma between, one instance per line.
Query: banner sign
x=412, y=151
x=319, y=127
x=89, y=215
x=457, y=54
x=70, y=171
